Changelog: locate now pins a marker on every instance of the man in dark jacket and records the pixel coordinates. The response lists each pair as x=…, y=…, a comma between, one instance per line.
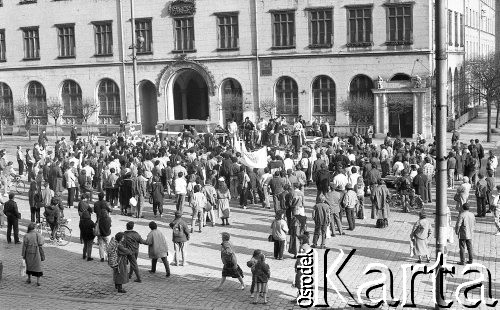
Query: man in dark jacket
x=322, y=179
x=276, y=186
x=12, y=213
x=132, y=239
x=333, y=199
x=101, y=205
x=180, y=236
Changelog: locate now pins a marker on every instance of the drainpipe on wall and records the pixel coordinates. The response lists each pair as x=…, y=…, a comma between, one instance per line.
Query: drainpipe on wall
x=257, y=59
x=123, y=101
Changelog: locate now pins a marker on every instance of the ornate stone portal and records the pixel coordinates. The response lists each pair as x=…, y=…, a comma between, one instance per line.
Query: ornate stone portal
x=402, y=107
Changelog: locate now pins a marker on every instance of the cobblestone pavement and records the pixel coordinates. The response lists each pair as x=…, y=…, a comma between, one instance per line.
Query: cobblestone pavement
x=70, y=282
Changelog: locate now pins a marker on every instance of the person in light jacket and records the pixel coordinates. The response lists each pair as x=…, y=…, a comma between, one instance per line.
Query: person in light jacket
x=279, y=230
x=158, y=248
x=70, y=184
x=419, y=235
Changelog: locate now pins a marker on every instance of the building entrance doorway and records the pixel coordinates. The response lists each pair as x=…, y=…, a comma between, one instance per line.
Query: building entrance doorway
x=400, y=114
x=190, y=94
x=149, y=107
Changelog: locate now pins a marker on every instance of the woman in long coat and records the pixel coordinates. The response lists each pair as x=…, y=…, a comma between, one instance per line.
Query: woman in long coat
x=120, y=273
x=380, y=204
x=223, y=198
x=463, y=192
x=420, y=234
x=420, y=184
x=158, y=248
x=32, y=243
x=228, y=257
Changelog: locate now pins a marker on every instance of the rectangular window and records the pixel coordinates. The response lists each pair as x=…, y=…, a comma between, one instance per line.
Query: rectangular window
x=320, y=28
x=144, y=30
x=31, y=43
x=457, y=41
x=462, y=30
x=400, y=24
x=2, y=45
x=103, y=38
x=184, y=34
x=359, y=26
x=450, y=28
x=227, y=31
x=66, y=40
x=284, y=29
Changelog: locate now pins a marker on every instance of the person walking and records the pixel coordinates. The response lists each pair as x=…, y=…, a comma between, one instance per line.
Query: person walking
x=320, y=216
x=230, y=263
x=481, y=195
x=180, y=235
x=104, y=225
x=464, y=228
x=120, y=271
x=463, y=192
x=12, y=213
x=180, y=190
x=419, y=236
x=428, y=170
x=333, y=199
x=279, y=230
x=87, y=235
x=157, y=248
x=33, y=253
x=451, y=165
x=380, y=204
x=131, y=241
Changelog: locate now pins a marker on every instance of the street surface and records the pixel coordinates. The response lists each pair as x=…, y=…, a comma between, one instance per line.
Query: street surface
x=72, y=283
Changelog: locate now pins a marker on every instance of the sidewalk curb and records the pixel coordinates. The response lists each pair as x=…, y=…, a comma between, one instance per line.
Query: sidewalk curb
x=124, y=303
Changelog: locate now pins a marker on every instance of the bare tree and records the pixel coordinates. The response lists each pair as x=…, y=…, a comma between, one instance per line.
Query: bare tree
x=5, y=113
x=483, y=79
x=86, y=108
x=55, y=110
x=268, y=107
x=360, y=109
x=26, y=110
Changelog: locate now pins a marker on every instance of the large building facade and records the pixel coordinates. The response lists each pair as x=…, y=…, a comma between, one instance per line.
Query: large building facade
x=214, y=60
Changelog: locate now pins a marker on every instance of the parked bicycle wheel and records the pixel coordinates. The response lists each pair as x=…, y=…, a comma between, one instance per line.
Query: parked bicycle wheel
x=63, y=235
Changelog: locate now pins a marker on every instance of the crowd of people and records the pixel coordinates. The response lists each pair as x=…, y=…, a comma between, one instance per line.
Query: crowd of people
x=204, y=172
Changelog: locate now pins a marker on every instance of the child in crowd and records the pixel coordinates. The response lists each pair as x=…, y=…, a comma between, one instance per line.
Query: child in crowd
x=251, y=264
x=262, y=275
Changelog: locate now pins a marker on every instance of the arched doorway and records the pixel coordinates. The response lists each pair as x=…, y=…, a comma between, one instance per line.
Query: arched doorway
x=149, y=107
x=232, y=100
x=190, y=94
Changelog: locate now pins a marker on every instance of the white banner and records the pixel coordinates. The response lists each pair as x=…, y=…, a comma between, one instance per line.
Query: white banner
x=257, y=159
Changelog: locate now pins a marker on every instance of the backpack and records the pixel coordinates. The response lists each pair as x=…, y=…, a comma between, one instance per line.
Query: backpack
x=112, y=252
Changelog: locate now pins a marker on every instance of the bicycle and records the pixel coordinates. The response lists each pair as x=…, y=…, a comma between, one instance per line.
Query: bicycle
x=413, y=203
x=62, y=233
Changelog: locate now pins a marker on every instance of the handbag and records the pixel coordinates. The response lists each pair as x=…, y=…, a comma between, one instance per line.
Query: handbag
x=456, y=197
x=22, y=267
x=42, y=253
x=270, y=238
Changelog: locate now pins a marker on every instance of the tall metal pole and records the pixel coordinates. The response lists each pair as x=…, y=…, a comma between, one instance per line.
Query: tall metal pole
x=134, y=60
x=441, y=112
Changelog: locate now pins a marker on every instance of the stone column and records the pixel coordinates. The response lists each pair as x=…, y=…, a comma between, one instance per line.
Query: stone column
x=416, y=115
x=376, y=115
x=385, y=114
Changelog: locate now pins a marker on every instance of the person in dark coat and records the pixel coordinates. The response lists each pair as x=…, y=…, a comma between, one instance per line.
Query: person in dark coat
x=104, y=224
x=126, y=192
x=464, y=228
x=120, y=275
x=84, y=205
x=420, y=184
x=157, y=193
x=73, y=135
x=101, y=205
x=131, y=241
x=12, y=213
x=87, y=235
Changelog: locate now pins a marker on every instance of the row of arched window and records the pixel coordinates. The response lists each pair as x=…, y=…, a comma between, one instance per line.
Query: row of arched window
x=108, y=95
